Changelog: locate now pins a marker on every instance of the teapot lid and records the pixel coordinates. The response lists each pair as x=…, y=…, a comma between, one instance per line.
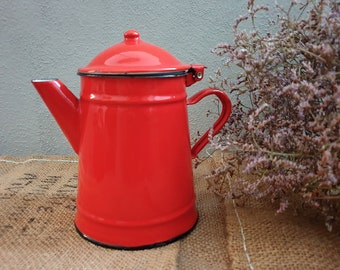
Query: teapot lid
x=134, y=57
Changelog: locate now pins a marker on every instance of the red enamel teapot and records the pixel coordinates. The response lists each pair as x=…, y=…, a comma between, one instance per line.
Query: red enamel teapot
x=130, y=130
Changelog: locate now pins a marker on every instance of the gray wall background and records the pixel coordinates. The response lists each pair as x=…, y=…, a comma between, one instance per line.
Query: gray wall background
x=51, y=39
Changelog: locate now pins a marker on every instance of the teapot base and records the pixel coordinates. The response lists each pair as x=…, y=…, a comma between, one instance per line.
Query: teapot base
x=137, y=234
x=148, y=246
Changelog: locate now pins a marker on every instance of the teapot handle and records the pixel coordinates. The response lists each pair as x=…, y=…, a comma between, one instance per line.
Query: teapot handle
x=222, y=119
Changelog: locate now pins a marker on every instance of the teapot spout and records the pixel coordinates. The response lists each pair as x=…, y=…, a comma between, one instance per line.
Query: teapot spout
x=63, y=105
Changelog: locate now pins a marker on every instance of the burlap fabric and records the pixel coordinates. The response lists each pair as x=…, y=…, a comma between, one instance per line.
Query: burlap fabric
x=37, y=208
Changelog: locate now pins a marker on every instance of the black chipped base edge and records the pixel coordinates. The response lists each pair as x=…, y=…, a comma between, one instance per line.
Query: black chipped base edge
x=155, y=245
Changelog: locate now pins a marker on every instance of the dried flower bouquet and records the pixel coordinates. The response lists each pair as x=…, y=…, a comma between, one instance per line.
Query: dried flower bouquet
x=285, y=124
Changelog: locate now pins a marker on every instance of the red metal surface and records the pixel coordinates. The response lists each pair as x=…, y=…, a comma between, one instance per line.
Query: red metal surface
x=63, y=105
x=221, y=120
x=135, y=182
x=133, y=55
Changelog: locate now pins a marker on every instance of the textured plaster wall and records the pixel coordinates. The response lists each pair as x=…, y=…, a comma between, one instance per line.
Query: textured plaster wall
x=51, y=39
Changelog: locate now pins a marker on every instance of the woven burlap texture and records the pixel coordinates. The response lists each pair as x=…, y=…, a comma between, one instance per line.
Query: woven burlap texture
x=37, y=208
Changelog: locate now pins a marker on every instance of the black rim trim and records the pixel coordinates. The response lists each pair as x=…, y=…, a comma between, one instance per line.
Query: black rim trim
x=155, y=245
x=137, y=75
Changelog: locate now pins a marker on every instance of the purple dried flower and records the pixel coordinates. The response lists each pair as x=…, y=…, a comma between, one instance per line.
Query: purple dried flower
x=285, y=124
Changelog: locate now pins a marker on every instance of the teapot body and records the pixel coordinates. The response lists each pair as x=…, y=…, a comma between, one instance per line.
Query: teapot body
x=135, y=173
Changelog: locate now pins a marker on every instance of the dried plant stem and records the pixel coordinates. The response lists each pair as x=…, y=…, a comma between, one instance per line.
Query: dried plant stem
x=312, y=54
x=328, y=198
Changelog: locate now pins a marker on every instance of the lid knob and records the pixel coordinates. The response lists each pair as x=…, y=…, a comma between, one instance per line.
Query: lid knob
x=131, y=35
